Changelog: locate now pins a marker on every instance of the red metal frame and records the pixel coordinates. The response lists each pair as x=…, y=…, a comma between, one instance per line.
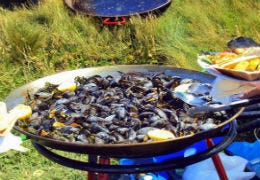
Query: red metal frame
x=217, y=162
x=108, y=21
x=215, y=158
x=99, y=176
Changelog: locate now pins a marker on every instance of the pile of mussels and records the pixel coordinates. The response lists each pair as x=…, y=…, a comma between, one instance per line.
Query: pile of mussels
x=110, y=110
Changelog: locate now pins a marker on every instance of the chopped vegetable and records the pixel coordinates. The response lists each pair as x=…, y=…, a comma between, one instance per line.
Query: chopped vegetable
x=241, y=66
x=222, y=57
x=247, y=65
x=58, y=124
x=253, y=64
x=43, y=133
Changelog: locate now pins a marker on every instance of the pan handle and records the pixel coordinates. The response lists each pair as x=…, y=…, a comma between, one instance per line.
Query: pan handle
x=108, y=21
x=222, y=107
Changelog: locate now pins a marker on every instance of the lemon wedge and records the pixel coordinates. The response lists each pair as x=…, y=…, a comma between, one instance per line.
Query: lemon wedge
x=67, y=86
x=160, y=134
x=22, y=111
x=7, y=120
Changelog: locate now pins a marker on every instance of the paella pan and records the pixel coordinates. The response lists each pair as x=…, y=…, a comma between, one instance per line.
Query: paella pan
x=133, y=148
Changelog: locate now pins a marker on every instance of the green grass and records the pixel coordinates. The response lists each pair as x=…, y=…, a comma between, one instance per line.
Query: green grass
x=33, y=166
x=48, y=38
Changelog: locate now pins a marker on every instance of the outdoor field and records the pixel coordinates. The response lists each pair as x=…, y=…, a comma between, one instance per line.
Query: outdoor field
x=48, y=38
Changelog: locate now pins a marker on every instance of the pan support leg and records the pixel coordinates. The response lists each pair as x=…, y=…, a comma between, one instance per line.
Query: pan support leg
x=217, y=162
x=101, y=160
x=92, y=175
x=172, y=163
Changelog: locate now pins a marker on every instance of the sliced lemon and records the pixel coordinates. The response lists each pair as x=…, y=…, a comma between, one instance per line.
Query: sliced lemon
x=160, y=134
x=22, y=111
x=67, y=86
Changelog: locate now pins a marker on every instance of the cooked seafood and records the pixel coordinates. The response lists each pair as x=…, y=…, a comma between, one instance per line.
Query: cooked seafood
x=110, y=110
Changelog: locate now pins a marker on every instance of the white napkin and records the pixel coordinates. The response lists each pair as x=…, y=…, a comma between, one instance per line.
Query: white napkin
x=10, y=141
x=234, y=167
x=7, y=139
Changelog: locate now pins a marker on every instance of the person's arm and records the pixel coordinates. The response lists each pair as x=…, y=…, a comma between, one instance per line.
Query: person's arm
x=253, y=92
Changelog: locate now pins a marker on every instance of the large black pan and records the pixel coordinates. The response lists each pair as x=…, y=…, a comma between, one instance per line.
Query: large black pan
x=114, y=8
x=118, y=150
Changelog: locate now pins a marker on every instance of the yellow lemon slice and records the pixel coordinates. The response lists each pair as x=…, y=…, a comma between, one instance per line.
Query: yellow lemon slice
x=7, y=122
x=22, y=111
x=67, y=86
x=160, y=134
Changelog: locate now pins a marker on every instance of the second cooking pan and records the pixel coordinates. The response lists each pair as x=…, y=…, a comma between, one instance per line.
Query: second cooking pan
x=111, y=9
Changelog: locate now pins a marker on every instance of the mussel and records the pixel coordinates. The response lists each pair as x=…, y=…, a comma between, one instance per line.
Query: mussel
x=121, y=109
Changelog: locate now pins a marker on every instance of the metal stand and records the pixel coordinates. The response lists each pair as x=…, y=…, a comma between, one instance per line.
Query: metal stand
x=217, y=162
x=105, y=167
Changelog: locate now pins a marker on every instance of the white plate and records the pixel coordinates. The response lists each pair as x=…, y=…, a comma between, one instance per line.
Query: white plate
x=211, y=69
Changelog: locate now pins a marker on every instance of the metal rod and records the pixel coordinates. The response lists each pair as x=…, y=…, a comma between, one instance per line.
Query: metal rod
x=173, y=163
x=103, y=160
x=92, y=175
x=217, y=162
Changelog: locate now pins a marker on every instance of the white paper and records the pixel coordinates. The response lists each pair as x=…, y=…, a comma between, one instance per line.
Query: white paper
x=10, y=141
x=234, y=167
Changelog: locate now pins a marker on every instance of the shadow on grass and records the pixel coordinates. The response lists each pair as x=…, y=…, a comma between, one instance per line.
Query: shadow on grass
x=11, y=4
